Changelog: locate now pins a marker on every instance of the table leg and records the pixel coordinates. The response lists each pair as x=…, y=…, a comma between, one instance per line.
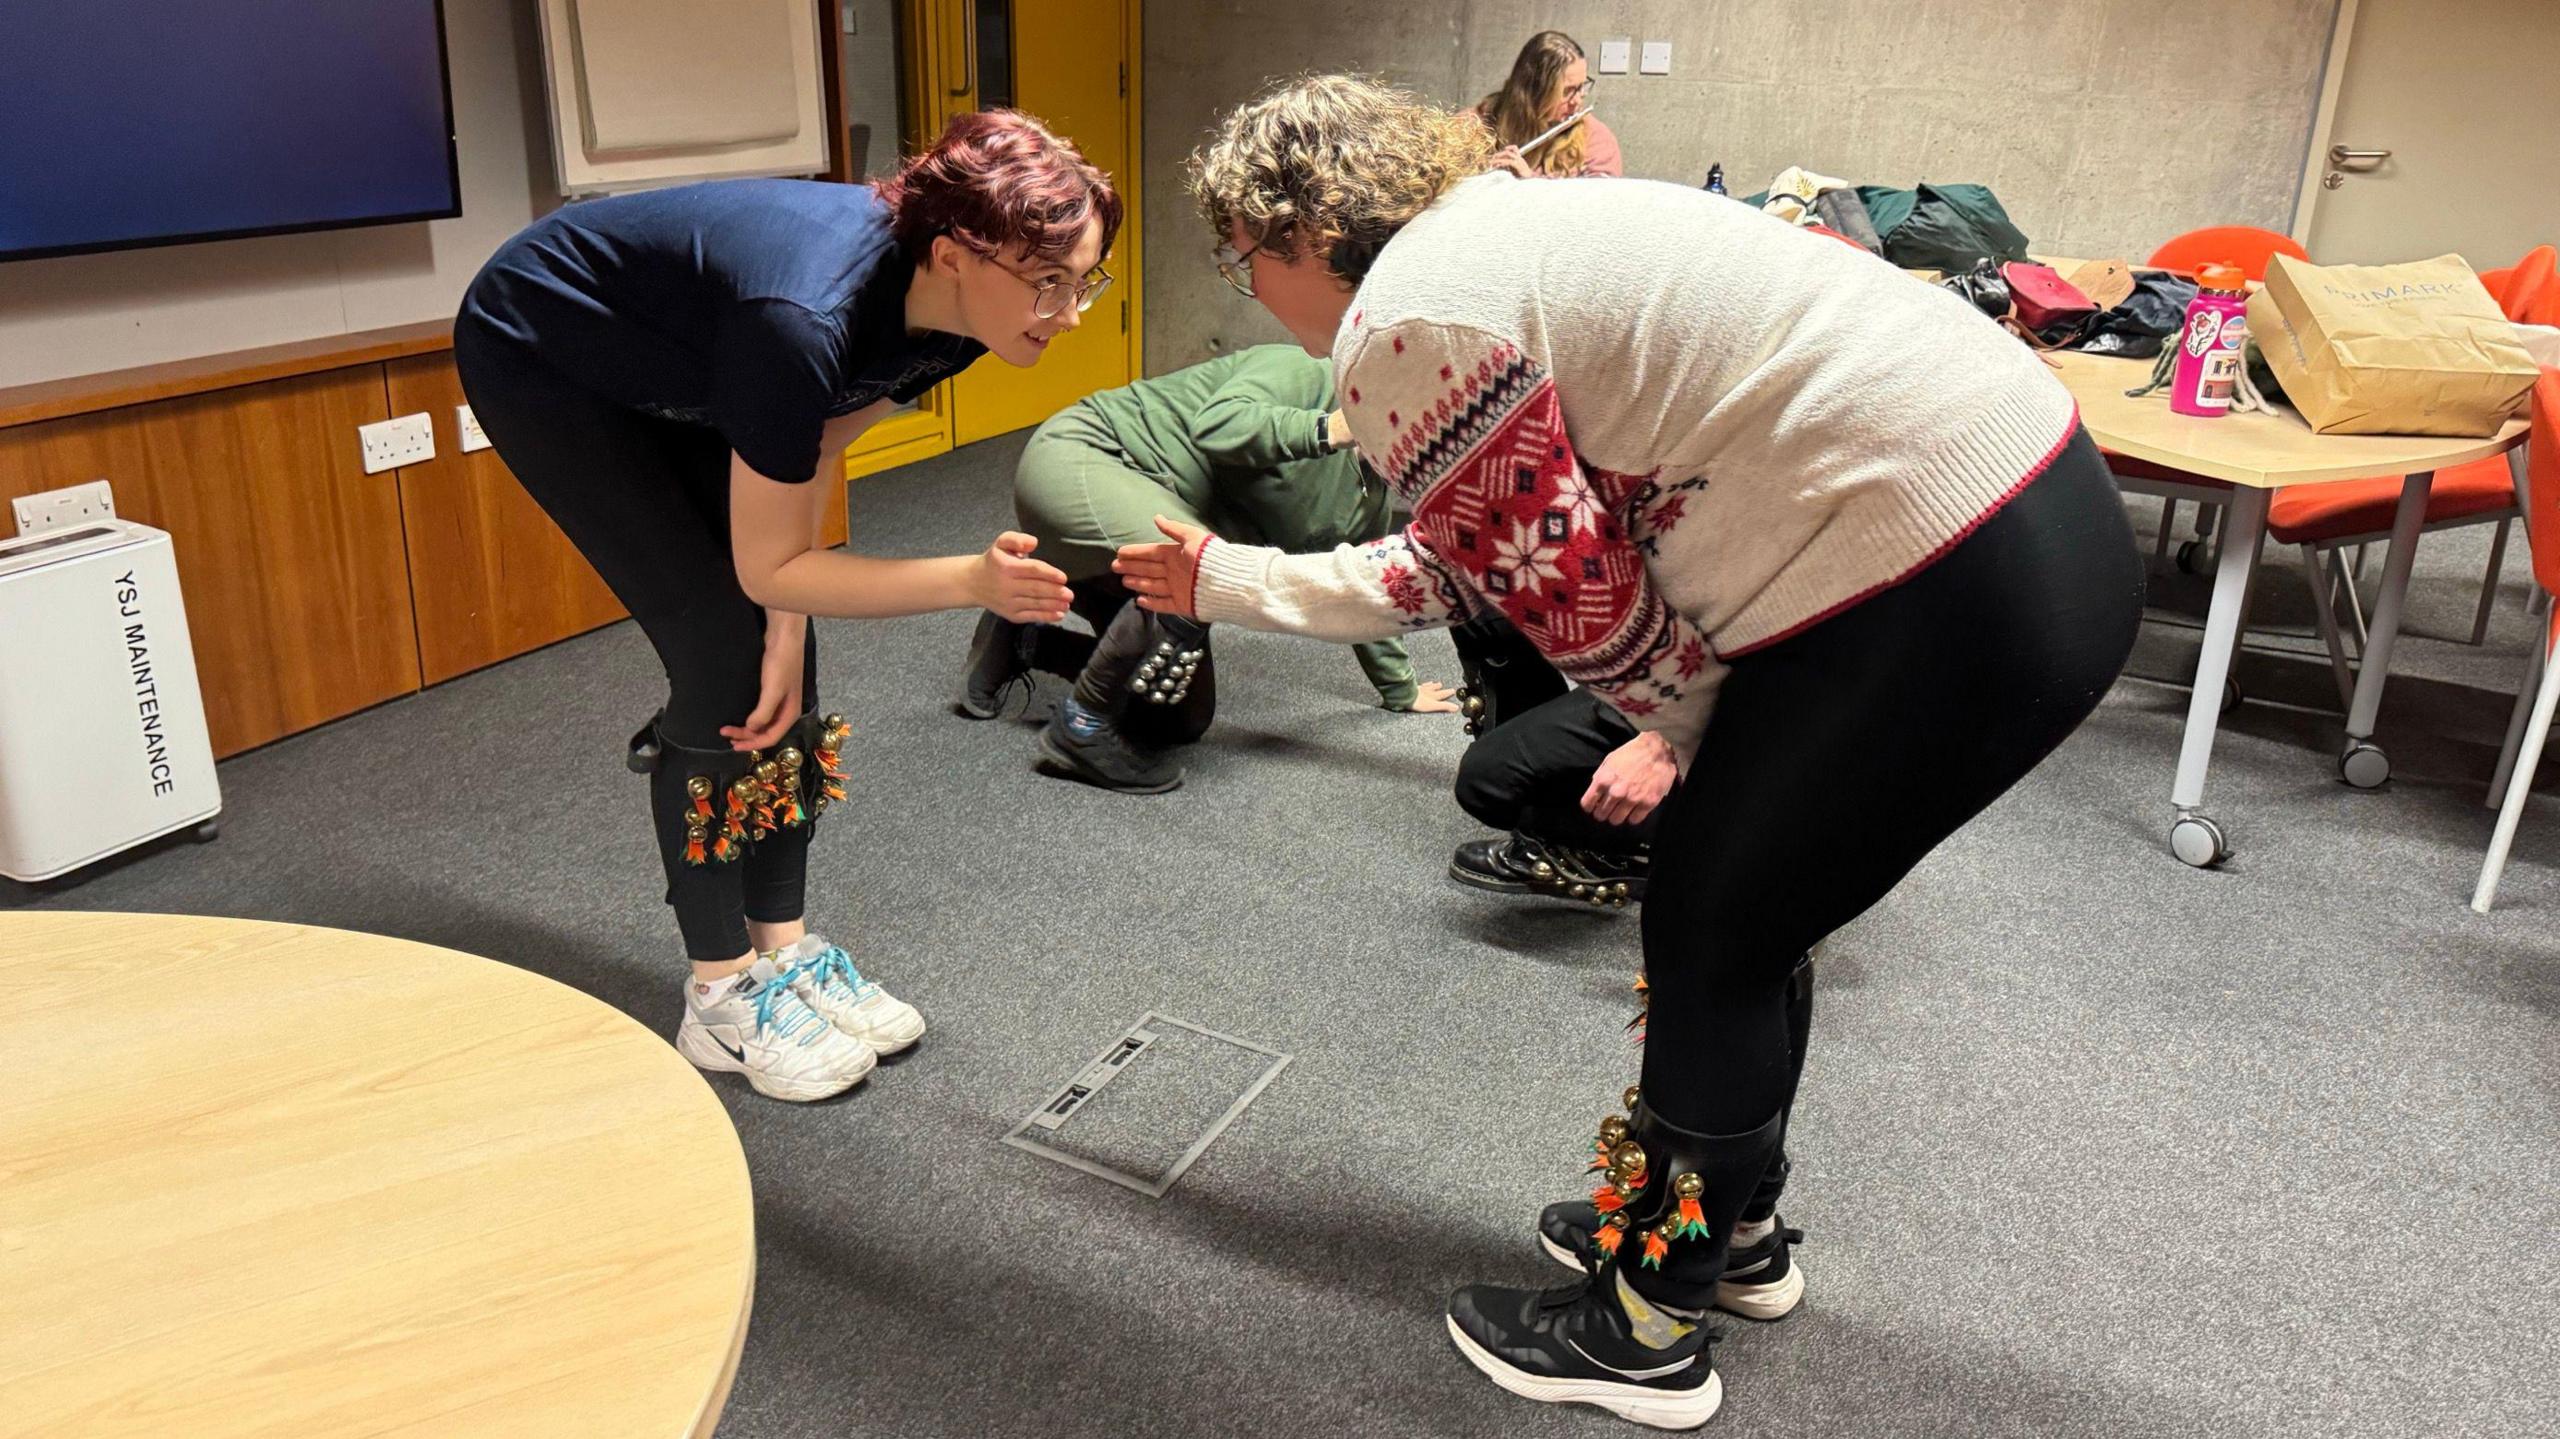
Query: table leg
x=2194, y=836
x=2362, y=763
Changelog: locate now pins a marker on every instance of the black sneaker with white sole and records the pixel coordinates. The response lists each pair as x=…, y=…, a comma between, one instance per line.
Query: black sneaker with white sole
x=1596, y=1341
x=1761, y=1279
x=1629, y=1333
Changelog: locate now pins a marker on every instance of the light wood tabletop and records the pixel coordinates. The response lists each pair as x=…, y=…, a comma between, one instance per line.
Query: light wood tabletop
x=274, y=1180
x=2260, y=450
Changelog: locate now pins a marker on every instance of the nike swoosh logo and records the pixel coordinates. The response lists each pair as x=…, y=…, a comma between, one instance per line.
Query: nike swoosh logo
x=1666, y=1369
x=736, y=1052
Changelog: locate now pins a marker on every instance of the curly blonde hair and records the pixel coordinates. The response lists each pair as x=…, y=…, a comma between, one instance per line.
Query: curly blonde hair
x=1336, y=162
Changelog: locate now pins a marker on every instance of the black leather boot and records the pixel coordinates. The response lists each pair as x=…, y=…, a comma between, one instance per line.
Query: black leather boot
x=1522, y=863
x=1173, y=696
x=1004, y=654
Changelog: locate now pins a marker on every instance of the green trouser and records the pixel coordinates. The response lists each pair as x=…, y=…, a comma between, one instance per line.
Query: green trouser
x=1081, y=496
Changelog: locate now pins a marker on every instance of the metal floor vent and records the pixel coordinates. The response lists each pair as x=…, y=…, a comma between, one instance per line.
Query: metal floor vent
x=1149, y=1104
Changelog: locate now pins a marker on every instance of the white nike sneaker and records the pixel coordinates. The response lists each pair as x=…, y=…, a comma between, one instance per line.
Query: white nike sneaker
x=763, y=1029
x=823, y=975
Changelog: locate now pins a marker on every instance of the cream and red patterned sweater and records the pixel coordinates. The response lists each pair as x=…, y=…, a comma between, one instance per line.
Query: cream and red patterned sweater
x=1655, y=429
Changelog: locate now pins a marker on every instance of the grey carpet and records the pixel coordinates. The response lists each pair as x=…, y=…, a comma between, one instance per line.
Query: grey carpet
x=2090, y=1143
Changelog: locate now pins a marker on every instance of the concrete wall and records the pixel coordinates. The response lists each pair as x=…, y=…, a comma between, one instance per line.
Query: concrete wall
x=81, y=314
x=2105, y=126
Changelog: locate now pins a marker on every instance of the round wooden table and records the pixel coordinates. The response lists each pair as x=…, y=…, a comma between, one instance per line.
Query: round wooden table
x=265, y=1179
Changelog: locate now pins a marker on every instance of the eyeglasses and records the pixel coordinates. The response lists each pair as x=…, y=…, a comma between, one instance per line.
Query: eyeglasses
x=1581, y=92
x=1236, y=268
x=1049, y=297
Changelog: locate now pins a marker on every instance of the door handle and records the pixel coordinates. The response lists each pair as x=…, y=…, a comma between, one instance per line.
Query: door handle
x=2343, y=155
x=966, y=50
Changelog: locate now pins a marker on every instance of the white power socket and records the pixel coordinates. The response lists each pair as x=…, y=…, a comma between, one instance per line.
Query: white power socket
x=53, y=509
x=389, y=444
x=467, y=425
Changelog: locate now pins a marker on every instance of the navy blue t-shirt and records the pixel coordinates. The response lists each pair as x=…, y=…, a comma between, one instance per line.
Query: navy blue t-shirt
x=763, y=308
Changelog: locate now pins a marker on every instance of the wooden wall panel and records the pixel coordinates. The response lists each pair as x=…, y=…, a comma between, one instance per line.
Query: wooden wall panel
x=296, y=582
x=494, y=576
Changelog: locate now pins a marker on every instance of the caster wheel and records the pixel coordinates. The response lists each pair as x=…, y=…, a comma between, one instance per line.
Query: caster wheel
x=2230, y=696
x=2198, y=841
x=2189, y=553
x=2364, y=765
x=206, y=832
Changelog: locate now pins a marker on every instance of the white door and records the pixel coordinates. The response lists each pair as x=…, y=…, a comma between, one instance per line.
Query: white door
x=2446, y=136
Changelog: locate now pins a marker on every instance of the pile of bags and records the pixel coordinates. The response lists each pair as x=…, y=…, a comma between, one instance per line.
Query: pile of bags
x=1931, y=227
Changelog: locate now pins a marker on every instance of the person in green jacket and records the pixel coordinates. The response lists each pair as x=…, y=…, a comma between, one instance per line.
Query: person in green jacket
x=1248, y=445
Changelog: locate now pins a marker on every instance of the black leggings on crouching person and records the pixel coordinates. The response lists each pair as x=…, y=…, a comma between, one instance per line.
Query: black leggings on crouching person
x=646, y=501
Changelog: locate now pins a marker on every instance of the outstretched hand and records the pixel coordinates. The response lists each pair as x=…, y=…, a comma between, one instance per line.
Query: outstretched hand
x=1165, y=575
x=1016, y=586
x=1433, y=698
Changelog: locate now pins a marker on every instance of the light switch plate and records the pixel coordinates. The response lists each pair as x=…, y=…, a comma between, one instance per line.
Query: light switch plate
x=389, y=444
x=1613, y=55
x=467, y=425
x=1657, y=57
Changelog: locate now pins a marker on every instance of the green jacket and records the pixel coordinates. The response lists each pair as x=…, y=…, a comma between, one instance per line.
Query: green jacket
x=1241, y=439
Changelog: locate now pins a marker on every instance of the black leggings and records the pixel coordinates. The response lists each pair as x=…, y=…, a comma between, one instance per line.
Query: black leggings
x=1840, y=756
x=646, y=501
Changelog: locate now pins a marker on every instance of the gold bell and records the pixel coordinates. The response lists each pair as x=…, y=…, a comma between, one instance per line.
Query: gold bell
x=744, y=787
x=768, y=771
x=1582, y=891
x=1612, y=1130
x=1689, y=1186
x=1628, y=1156
x=699, y=786
x=791, y=759
x=1629, y=1098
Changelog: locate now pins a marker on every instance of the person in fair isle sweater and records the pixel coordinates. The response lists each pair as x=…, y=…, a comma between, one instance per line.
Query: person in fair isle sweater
x=1835, y=545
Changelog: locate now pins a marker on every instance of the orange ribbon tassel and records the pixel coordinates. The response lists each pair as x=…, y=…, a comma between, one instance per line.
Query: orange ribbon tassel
x=1692, y=1219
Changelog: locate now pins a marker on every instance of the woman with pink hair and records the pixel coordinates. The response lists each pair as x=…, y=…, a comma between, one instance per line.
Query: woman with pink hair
x=666, y=374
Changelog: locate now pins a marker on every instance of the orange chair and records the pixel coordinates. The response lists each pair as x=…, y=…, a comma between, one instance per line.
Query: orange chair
x=2322, y=519
x=2246, y=246
x=2542, y=675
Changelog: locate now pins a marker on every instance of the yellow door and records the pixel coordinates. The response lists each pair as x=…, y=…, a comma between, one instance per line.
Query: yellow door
x=1069, y=63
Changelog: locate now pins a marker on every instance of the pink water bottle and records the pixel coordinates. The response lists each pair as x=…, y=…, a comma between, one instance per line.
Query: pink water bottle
x=2209, y=353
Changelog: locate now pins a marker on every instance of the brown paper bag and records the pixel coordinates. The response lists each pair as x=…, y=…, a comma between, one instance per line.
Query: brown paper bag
x=2414, y=349
x=2105, y=282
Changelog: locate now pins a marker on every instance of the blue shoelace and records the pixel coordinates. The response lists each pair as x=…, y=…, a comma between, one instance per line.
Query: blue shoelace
x=833, y=966
x=785, y=1015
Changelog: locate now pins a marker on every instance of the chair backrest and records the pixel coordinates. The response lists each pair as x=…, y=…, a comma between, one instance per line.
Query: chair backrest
x=2531, y=295
x=2246, y=246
